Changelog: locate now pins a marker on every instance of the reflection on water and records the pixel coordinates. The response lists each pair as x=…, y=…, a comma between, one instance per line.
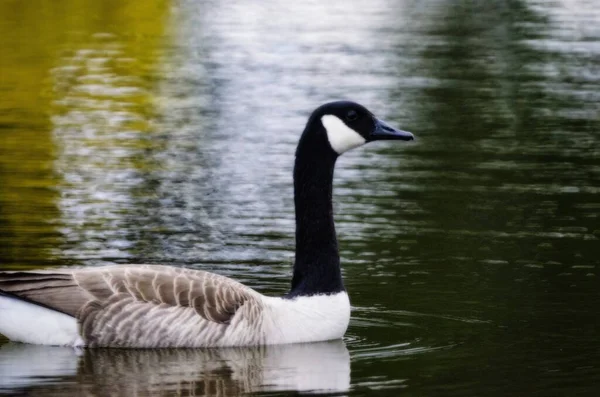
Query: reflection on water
x=316, y=367
x=165, y=133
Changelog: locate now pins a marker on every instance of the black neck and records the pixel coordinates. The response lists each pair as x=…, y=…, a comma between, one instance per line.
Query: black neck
x=317, y=264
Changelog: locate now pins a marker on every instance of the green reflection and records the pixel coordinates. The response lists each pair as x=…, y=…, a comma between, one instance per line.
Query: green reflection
x=506, y=181
x=27, y=181
x=76, y=79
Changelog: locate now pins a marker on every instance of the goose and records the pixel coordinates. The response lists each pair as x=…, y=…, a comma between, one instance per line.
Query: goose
x=155, y=306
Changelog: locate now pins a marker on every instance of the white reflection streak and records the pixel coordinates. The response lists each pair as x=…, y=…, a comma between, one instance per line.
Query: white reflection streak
x=24, y=366
x=95, y=148
x=302, y=367
x=240, y=82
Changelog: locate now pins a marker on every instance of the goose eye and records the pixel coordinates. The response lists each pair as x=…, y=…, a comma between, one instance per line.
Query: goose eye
x=351, y=115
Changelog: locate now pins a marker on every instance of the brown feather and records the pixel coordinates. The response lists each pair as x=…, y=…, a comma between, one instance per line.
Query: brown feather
x=113, y=303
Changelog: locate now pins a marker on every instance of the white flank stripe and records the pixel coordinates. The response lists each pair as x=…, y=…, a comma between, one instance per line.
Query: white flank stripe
x=340, y=136
x=22, y=321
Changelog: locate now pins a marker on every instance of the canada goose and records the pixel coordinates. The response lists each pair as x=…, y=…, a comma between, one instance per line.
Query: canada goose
x=162, y=306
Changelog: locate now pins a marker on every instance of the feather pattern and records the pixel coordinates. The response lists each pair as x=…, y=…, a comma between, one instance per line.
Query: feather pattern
x=162, y=306
x=145, y=306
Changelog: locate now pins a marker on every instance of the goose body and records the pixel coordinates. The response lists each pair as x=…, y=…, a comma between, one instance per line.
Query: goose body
x=159, y=306
x=164, y=306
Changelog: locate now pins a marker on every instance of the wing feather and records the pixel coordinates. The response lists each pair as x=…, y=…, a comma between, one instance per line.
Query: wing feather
x=105, y=299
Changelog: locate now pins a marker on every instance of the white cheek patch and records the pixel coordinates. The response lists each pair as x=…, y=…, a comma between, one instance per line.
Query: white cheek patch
x=340, y=136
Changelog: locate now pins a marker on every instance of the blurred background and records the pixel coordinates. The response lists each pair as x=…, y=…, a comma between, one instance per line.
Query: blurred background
x=164, y=131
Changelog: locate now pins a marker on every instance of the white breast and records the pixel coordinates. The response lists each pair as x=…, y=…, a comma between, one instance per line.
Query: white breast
x=306, y=318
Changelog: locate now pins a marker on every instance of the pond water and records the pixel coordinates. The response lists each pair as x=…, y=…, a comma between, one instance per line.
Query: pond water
x=164, y=132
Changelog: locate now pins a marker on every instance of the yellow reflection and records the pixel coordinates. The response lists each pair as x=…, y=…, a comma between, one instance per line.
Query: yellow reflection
x=76, y=77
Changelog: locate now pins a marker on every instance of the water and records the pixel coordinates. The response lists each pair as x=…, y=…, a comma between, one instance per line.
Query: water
x=164, y=132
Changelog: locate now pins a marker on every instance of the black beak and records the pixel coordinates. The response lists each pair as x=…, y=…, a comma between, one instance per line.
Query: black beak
x=383, y=131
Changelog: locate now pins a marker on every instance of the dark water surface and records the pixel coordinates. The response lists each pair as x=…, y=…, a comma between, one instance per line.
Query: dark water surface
x=164, y=132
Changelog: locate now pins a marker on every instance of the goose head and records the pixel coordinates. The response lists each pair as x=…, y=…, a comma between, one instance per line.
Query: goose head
x=348, y=125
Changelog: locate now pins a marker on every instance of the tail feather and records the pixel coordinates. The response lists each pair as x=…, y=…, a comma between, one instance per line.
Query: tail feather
x=52, y=290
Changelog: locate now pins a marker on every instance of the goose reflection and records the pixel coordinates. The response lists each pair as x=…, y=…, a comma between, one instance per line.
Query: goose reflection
x=44, y=370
